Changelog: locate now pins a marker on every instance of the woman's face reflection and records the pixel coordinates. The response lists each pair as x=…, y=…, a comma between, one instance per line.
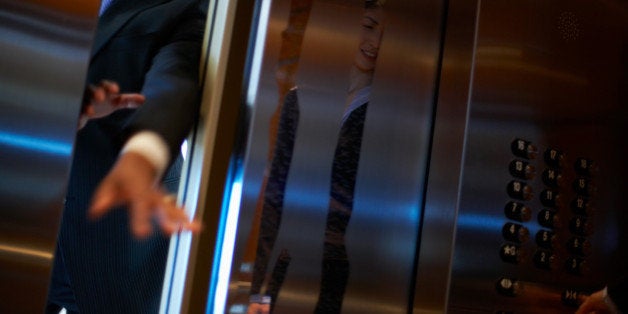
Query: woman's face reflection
x=370, y=38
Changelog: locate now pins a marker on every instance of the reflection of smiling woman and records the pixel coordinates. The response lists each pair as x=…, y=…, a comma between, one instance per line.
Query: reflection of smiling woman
x=372, y=29
x=335, y=264
x=370, y=38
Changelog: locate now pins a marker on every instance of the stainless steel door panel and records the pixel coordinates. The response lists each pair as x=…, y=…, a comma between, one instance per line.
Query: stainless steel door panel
x=44, y=52
x=550, y=73
x=381, y=238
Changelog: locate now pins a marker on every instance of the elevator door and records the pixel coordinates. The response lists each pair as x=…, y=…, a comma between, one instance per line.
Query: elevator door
x=540, y=207
x=306, y=241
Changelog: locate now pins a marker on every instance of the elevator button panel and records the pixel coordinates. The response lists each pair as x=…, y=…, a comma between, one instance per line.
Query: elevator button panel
x=576, y=266
x=560, y=243
x=583, y=186
x=524, y=149
x=553, y=157
x=521, y=169
x=545, y=239
x=571, y=297
x=549, y=219
x=511, y=253
x=550, y=198
x=519, y=190
x=552, y=177
x=508, y=286
x=579, y=246
x=585, y=167
x=545, y=259
x=515, y=232
x=580, y=205
x=517, y=211
x=579, y=225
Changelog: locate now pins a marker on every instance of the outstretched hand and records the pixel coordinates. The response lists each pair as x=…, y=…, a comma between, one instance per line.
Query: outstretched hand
x=132, y=182
x=104, y=98
x=597, y=303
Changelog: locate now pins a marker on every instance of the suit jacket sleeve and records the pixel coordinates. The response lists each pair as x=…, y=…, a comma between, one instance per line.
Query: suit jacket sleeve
x=171, y=85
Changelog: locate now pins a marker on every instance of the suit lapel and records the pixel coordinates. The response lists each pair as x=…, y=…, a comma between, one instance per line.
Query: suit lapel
x=116, y=16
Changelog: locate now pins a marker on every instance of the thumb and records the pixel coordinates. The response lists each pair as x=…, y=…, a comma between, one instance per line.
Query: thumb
x=129, y=100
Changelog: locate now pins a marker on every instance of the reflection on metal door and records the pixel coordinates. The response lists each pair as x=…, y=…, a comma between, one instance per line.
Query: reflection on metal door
x=336, y=159
x=539, y=212
x=547, y=75
x=530, y=94
x=44, y=53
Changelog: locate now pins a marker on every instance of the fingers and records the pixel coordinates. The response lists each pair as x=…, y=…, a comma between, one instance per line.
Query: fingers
x=105, y=197
x=110, y=87
x=129, y=100
x=140, y=216
x=173, y=218
x=98, y=94
x=131, y=183
x=104, y=98
x=102, y=92
x=170, y=217
x=109, y=194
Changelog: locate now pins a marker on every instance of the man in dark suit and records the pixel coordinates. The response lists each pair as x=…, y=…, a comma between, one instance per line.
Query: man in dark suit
x=115, y=264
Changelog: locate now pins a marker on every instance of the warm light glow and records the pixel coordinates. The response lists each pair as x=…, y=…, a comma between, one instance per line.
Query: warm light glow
x=15, y=250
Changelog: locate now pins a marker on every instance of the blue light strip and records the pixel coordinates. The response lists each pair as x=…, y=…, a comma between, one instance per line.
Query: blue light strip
x=219, y=284
x=226, y=255
x=227, y=226
x=477, y=221
x=47, y=146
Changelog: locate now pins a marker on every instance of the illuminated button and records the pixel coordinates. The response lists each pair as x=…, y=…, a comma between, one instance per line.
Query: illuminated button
x=579, y=246
x=515, y=232
x=517, y=211
x=585, y=167
x=581, y=205
x=553, y=157
x=579, y=225
x=524, y=149
x=508, y=286
x=545, y=239
x=552, y=177
x=544, y=259
x=571, y=297
x=549, y=219
x=521, y=169
x=511, y=253
x=519, y=190
x=550, y=198
x=583, y=186
x=576, y=266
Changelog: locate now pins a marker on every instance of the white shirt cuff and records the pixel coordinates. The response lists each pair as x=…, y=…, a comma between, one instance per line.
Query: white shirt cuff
x=152, y=146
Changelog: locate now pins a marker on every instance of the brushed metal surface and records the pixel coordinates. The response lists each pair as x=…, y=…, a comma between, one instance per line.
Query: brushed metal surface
x=552, y=73
x=446, y=161
x=44, y=52
x=382, y=234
